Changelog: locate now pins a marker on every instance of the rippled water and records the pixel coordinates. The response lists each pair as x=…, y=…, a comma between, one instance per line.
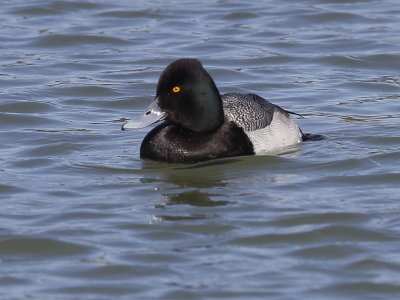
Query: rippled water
x=83, y=217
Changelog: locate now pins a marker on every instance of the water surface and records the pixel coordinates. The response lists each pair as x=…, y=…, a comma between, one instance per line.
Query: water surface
x=83, y=217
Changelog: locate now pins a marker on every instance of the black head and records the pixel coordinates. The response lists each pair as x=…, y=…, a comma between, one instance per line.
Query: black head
x=189, y=96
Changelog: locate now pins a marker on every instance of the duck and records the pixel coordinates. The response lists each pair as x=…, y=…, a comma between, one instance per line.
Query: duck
x=200, y=124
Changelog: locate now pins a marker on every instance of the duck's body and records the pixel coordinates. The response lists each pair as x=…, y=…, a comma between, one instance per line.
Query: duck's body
x=200, y=124
x=268, y=126
x=173, y=143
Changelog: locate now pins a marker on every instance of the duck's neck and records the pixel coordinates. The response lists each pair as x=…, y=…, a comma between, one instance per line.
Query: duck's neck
x=209, y=113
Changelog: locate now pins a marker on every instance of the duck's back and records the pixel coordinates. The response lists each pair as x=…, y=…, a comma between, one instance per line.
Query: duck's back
x=249, y=111
x=268, y=126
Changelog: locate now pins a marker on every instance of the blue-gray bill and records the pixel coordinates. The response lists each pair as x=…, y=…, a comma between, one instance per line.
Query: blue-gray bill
x=151, y=115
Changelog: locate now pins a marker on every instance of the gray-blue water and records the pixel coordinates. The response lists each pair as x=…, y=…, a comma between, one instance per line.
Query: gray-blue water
x=83, y=217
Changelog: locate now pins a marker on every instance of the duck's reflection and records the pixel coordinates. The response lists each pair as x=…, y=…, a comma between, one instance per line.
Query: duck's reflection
x=195, y=185
x=194, y=197
x=208, y=184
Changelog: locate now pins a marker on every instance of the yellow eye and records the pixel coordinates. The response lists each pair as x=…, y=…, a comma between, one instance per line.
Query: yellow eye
x=176, y=89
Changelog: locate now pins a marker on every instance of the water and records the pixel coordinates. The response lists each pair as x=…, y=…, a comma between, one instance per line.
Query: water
x=83, y=217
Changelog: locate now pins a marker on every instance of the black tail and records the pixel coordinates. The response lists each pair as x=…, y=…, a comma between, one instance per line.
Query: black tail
x=312, y=137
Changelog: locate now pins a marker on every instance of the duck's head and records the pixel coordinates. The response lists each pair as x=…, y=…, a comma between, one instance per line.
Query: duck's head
x=187, y=96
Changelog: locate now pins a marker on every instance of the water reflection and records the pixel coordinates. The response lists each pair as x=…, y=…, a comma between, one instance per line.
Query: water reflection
x=195, y=185
x=194, y=197
x=207, y=184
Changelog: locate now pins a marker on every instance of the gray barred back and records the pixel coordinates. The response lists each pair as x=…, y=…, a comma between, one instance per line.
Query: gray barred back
x=249, y=111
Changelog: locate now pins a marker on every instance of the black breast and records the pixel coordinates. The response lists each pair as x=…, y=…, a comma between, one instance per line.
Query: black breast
x=172, y=143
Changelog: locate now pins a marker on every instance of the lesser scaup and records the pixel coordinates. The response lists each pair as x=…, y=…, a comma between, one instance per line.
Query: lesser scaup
x=200, y=124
